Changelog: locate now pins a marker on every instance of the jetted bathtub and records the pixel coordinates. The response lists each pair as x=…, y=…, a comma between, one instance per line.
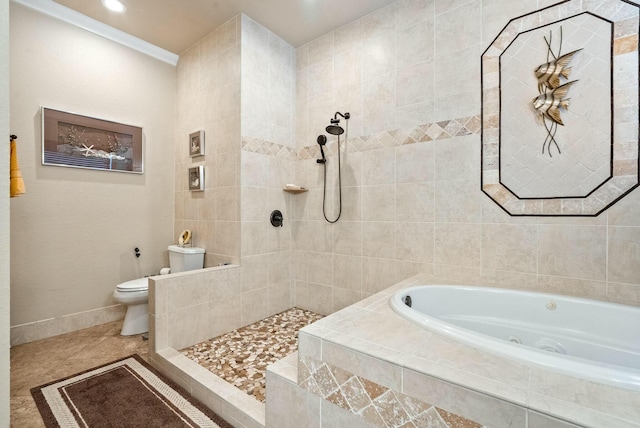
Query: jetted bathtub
x=583, y=338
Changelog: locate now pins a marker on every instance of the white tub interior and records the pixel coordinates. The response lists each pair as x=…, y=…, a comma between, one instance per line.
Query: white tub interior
x=580, y=337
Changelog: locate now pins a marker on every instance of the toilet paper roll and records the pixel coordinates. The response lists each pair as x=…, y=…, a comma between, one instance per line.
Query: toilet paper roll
x=165, y=271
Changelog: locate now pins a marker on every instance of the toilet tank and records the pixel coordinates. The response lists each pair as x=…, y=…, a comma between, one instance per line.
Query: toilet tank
x=185, y=258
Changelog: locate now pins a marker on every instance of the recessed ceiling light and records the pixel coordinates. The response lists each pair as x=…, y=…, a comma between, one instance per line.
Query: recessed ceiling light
x=114, y=5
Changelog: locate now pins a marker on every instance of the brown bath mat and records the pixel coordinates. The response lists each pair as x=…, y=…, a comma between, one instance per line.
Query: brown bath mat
x=124, y=393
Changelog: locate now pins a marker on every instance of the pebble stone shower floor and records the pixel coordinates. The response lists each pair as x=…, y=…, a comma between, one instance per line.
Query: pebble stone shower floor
x=241, y=357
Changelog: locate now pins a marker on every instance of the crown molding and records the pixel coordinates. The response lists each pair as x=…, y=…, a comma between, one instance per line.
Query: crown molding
x=63, y=13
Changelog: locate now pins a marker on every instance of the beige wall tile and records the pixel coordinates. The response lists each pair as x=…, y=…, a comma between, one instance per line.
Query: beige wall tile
x=255, y=305
x=377, y=274
x=624, y=254
x=379, y=239
x=280, y=395
x=414, y=242
x=319, y=268
x=279, y=297
x=628, y=294
x=379, y=23
x=227, y=203
x=508, y=279
x=348, y=37
x=254, y=169
x=227, y=169
x=458, y=201
x=449, y=37
x=572, y=287
x=458, y=158
x=482, y=408
x=348, y=238
x=415, y=202
x=540, y=420
x=254, y=237
x=343, y=298
x=625, y=211
x=320, y=299
x=279, y=267
x=254, y=272
x=592, y=404
x=185, y=291
x=573, y=251
x=361, y=364
x=458, y=244
x=347, y=272
x=415, y=163
x=320, y=49
x=378, y=95
x=188, y=326
x=415, y=44
x=412, y=12
x=379, y=203
x=379, y=167
x=510, y=247
x=351, y=204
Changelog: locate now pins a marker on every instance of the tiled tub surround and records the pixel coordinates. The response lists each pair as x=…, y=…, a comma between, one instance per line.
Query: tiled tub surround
x=241, y=356
x=368, y=340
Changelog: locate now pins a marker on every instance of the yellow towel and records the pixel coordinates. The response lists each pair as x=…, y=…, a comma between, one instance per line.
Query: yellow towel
x=17, y=184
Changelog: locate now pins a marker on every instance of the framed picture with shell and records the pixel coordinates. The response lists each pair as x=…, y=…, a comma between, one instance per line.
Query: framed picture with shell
x=196, y=178
x=77, y=141
x=196, y=143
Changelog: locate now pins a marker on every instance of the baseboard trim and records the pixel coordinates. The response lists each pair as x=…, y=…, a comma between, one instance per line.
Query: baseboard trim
x=29, y=332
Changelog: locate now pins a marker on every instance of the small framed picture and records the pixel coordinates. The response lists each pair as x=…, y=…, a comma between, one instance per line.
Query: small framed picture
x=196, y=143
x=196, y=178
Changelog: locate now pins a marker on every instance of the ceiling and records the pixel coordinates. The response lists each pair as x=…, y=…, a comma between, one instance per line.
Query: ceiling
x=176, y=25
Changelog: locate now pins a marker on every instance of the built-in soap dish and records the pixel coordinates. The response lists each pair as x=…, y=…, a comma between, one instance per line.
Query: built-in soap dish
x=294, y=188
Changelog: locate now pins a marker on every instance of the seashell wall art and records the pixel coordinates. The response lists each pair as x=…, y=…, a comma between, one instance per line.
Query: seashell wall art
x=560, y=110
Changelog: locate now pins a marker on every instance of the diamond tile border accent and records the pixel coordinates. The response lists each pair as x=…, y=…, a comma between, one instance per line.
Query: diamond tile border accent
x=375, y=403
x=268, y=148
x=418, y=134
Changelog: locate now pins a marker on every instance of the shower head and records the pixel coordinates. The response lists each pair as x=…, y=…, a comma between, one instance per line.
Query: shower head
x=335, y=129
x=322, y=140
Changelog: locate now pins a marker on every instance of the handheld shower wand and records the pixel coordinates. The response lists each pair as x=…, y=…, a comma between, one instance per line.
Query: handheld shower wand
x=334, y=129
x=322, y=140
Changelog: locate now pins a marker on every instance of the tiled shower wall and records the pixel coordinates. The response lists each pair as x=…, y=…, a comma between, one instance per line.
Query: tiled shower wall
x=237, y=84
x=267, y=156
x=209, y=100
x=409, y=74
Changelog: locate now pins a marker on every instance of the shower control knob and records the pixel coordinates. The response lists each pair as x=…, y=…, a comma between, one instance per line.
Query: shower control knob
x=276, y=218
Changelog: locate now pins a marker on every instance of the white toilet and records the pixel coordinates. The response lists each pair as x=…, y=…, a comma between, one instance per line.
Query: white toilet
x=135, y=293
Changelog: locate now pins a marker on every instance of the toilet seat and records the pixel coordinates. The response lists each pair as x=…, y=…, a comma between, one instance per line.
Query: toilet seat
x=140, y=284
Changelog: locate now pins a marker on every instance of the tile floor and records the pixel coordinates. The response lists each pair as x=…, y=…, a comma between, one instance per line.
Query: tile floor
x=241, y=357
x=46, y=360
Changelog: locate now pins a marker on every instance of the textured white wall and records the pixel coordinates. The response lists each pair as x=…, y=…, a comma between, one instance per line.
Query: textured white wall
x=74, y=232
x=4, y=213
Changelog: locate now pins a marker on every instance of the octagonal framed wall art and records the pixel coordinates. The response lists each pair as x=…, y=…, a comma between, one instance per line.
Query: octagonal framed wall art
x=560, y=107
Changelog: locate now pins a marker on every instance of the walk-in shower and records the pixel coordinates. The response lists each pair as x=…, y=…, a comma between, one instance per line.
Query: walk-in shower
x=334, y=129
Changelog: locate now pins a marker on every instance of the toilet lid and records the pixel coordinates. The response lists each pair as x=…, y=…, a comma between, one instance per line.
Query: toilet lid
x=140, y=284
